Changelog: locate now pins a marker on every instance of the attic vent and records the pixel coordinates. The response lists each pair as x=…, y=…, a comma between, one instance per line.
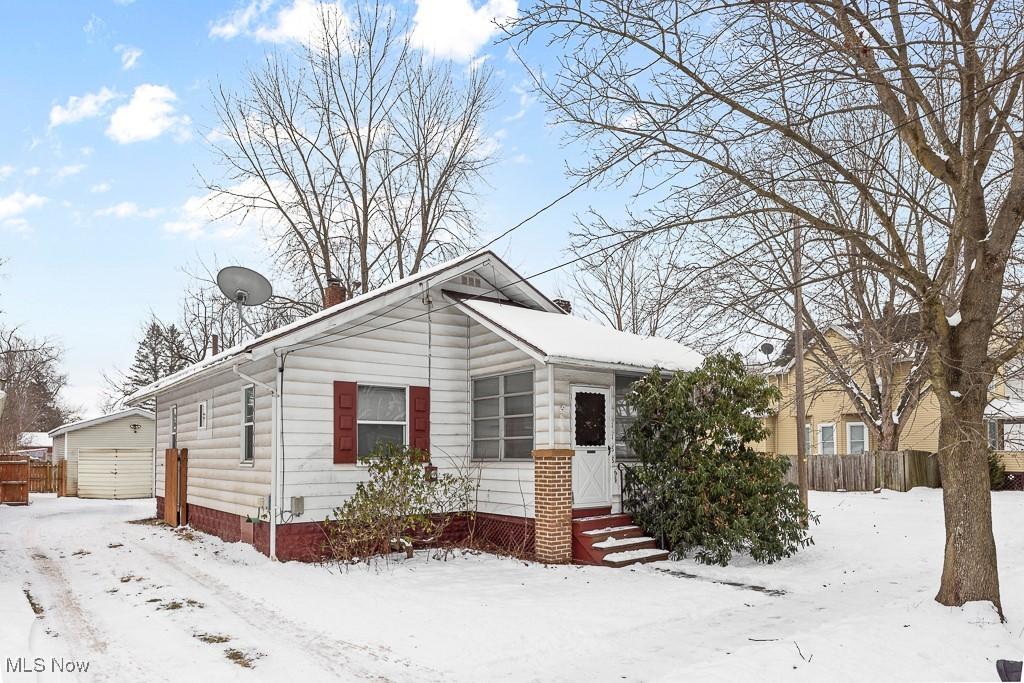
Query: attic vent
x=471, y=280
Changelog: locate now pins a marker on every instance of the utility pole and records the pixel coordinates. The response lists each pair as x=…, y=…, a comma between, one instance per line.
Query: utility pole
x=798, y=368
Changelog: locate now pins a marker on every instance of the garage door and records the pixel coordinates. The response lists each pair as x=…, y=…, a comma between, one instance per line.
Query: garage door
x=115, y=473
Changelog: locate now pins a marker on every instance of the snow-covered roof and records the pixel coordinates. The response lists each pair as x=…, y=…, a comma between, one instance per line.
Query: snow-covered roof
x=1005, y=409
x=34, y=440
x=559, y=338
x=224, y=358
x=81, y=424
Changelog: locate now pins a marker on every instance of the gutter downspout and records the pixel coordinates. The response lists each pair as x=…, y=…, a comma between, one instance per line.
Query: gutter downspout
x=551, y=406
x=275, y=441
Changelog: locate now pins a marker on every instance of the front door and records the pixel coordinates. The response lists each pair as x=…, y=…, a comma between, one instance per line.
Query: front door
x=591, y=441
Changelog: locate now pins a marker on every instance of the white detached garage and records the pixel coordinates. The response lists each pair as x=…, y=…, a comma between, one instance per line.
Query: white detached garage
x=109, y=456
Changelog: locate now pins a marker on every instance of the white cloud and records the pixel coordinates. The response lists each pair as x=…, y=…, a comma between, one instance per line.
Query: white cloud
x=149, y=114
x=94, y=27
x=100, y=187
x=454, y=29
x=69, y=170
x=33, y=171
x=207, y=215
x=265, y=21
x=526, y=100
x=127, y=210
x=129, y=56
x=17, y=225
x=17, y=203
x=5, y=171
x=86, y=106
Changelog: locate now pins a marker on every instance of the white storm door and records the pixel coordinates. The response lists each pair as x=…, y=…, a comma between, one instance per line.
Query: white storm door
x=592, y=444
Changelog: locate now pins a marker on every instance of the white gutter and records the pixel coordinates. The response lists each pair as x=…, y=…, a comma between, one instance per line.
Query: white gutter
x=275, y=444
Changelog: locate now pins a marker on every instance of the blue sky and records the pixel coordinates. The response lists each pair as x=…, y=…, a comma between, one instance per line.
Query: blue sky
x=106, y=105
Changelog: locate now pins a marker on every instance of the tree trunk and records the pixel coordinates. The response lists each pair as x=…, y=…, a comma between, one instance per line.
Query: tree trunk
x=969, y=570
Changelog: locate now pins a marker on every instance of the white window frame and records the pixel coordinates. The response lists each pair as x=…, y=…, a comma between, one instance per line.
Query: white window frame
x=821, y=440
x=501, y=415
x=203, y=416
x=241, y=453
x=361, y=460
x=173, y=418
x=849, y=438
x=992, y=434
x=809, y=438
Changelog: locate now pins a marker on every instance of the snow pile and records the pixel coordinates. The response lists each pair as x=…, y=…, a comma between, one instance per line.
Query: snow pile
x=566, y=337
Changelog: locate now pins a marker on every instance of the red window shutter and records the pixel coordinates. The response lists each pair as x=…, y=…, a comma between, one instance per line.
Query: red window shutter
x=419, y=418
x=345, y=422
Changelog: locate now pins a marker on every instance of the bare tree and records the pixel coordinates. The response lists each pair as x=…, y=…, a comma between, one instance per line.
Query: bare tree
x=762, y=92
x=641, y=287
x=358, y=155
x=31, y=377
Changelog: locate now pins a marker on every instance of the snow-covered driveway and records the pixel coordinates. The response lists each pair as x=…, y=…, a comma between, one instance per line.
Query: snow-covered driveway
x=141, y=602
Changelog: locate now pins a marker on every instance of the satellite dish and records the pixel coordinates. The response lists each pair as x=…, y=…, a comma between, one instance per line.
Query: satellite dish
x=767, y=349
x=245, y=287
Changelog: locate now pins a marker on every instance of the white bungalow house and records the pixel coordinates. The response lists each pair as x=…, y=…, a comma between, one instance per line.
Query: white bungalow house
x=467, y=360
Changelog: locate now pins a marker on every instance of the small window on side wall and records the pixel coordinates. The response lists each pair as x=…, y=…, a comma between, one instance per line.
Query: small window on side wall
x=202, y=417
x=827, y=438
x=503, y=417
x=248, y=423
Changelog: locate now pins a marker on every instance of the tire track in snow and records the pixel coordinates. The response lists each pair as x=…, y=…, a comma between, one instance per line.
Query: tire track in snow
x=329, y=653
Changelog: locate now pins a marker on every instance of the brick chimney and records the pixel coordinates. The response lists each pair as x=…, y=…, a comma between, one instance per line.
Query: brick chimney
x=214, y=345
x=564, y=304
x=335, y=292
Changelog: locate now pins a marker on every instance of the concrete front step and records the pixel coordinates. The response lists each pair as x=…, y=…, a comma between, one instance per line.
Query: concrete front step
x=628, y=557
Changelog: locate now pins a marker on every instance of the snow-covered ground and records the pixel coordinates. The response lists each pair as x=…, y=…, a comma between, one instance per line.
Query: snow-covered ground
x=143, y=603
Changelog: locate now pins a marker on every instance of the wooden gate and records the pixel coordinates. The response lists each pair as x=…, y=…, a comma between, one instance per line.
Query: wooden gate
x=44, y=478
x=176, y=486
x=15, y=474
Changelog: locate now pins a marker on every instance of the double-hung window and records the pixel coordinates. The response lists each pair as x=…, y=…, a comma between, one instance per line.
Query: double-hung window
x=248, y=422
x=856, y=437
x=625, y=416
x=381, y=417
x=827, y=438
x=809, y=439
x=174, y=426
x=992, y=428
x=503, y=417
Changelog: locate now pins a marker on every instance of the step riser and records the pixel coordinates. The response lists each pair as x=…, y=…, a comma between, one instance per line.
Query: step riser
x=585, y=524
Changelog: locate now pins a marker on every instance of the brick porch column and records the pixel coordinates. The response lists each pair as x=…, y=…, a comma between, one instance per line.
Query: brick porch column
x=552, y=468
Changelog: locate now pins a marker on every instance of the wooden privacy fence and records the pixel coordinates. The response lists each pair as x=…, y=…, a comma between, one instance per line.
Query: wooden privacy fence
x=895, y=470
x=14, y=480
x=47, y=477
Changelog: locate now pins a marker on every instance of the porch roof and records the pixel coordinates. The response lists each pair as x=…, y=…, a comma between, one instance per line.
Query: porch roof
x=558, y=338
x=1005, y=409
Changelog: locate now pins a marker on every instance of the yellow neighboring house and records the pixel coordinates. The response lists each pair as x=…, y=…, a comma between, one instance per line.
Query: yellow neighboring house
x=835, y=426
x=833, y=423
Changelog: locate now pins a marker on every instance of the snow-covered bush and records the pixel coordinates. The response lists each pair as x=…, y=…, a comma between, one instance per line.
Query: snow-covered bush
x=699, y=485
x=403, y=504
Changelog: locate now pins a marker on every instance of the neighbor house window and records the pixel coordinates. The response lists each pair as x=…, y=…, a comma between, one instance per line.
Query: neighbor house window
x=809, y=438
x=993, y=434
x=503, y=417
x=625, y=416
x=248, y=422
x=827, y=439
x=174, y=426
x=381, y=416
x=856, y=437
x=202, y=417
